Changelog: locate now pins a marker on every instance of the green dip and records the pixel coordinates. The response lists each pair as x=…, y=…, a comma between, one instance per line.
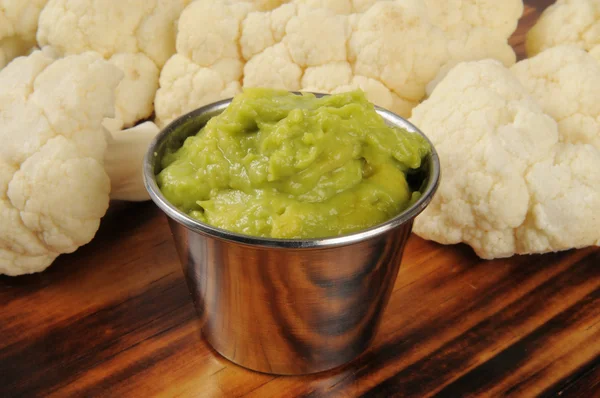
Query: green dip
x=275, y=164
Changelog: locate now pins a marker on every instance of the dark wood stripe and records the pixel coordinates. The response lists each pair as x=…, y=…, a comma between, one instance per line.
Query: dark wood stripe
x=583, y=383
x=39, y=365
x=515, y=279
x=450, y=360
x=101, y=386
x=524, y=270
x=493, y=372
x=451, y=316
x=118, y=264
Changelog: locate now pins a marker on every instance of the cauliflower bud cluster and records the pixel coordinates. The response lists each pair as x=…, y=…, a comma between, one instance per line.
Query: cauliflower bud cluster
x=18, y=26
x=53, y=187
x=58, y=165
x=519, y=143
x=520, y=153
x=138, y=36
x=573, y=22
x=390, y=49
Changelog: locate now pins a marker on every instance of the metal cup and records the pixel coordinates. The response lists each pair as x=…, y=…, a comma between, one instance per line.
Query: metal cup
x=278, y=306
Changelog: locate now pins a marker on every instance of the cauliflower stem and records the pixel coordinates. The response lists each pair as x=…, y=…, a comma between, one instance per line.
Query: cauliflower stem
x=124, y=159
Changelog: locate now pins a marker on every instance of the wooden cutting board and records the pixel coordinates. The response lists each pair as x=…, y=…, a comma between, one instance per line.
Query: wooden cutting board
x=115, y=319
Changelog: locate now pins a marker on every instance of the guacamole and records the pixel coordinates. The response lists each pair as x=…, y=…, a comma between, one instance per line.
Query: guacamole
x=280, y=165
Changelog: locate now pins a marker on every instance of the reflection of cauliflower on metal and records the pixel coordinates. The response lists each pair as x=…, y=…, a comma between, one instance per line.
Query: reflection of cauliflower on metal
x=328, y=46
x=54, y=186
x=515, y=179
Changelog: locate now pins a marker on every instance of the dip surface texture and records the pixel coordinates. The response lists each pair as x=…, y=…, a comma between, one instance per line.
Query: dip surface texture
x=275, y=164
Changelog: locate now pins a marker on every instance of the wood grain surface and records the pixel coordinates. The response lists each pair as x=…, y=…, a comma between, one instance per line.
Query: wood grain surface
x=115, y=319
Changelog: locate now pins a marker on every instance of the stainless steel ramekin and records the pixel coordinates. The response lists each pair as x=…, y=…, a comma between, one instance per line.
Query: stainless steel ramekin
x=279, y=306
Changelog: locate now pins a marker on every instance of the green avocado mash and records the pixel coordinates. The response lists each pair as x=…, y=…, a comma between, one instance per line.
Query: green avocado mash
x=281, y=165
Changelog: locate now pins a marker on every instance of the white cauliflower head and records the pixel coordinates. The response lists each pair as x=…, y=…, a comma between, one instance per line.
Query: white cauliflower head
x=223, y=46
x=384, y=47
x=475, y=30
x=111, y=26
x=136, y=35
x=565, y=80
x=390, y=49
x=18, y=25
x=509, y=185
x=575, y=22
x=53, y=187
x=58, y=164
x=460, y=15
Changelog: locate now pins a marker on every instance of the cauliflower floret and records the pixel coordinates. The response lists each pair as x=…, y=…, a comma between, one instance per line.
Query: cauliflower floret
x=383, y=48
x=18, y=24
x=475, y=30
x=136, y=35
x=574, y=22
x=459, y=15
x=450, y=15
x=135, y=93
x=274, y=68
x=341, y=7
x=479, y=43
x=284, y=48
x=565, y=196
x=328, y=77
x=331, y=46
x=375, y=89
x=209, y=31
x=111, y=26
x=595, y=52
x=264, y=5
x=53, y=187
x=305, y=33
x=565, y=80
x=510, y=186
x=186, y=86
x=337, y=78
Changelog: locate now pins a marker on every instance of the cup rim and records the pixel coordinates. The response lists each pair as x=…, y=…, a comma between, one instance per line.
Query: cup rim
x=342, y=240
